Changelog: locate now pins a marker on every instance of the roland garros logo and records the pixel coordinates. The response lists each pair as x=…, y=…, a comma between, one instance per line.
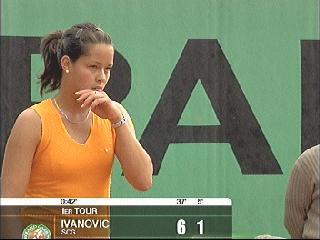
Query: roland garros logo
x=36, y=231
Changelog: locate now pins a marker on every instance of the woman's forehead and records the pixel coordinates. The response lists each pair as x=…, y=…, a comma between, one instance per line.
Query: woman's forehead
x=101, y=52
x=92, y=49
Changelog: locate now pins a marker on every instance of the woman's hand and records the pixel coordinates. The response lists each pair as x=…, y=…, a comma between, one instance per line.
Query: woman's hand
x=100, y=104
x=135, y=161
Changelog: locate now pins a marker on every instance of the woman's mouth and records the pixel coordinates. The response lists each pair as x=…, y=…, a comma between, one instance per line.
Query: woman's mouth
x=97, y=89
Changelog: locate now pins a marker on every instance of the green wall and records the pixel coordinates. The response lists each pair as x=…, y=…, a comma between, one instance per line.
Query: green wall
x=261, y=40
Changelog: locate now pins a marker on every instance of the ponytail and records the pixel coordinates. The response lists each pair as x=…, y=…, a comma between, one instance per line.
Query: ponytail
x=50, y=48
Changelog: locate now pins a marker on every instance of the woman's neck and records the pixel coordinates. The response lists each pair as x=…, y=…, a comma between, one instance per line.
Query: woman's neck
x=67, y=101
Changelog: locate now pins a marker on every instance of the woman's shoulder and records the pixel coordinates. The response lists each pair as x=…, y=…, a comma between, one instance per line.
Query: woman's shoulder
x=31, y=117
x=28, y=116
x=27, y=124
x=43, y=105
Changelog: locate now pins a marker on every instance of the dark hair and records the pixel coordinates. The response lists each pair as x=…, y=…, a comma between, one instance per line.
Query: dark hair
x=71, y=42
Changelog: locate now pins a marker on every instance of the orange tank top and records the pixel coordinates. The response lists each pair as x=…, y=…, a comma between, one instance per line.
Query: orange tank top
x=63, y=168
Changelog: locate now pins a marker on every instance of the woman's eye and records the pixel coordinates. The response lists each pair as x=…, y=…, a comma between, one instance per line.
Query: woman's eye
x=93, y=66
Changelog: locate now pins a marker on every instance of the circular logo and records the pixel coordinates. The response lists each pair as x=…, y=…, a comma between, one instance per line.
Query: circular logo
x=36, y=231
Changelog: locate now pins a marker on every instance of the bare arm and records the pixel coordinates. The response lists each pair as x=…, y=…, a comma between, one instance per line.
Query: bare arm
x=135, y=162
x=21, y=146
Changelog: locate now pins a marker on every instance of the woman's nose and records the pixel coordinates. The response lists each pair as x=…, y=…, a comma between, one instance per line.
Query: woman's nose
x=102, y=76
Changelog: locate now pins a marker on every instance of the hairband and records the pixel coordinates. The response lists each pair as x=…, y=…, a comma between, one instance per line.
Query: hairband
x=78, y=33
x=99, y=29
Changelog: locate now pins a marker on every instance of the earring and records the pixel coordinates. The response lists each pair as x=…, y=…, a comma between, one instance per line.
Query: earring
x=67, y=71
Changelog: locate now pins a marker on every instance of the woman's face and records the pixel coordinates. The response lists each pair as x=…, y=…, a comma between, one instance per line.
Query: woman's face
x=92, y=71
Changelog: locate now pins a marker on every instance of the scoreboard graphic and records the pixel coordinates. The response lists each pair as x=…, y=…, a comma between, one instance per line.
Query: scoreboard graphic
x=139, y=218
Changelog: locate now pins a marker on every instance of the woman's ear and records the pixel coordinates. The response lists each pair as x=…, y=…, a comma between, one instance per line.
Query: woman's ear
x=65, y=63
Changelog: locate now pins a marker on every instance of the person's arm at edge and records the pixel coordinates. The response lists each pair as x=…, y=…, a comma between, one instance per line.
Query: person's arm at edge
x=298, y=197
x=135, y=161
x=20, y=149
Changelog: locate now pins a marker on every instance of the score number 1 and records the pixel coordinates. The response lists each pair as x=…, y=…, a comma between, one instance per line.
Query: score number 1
x=181, y=227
